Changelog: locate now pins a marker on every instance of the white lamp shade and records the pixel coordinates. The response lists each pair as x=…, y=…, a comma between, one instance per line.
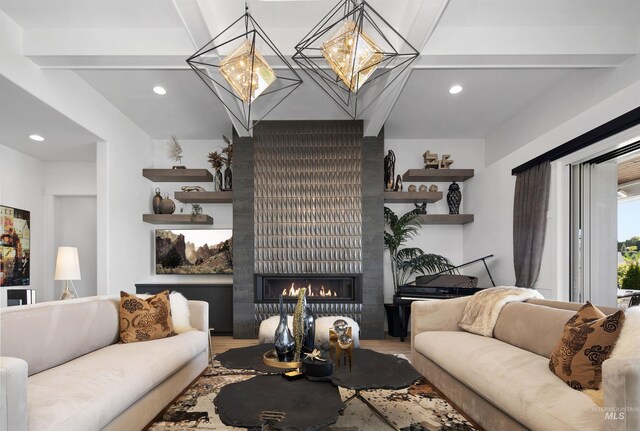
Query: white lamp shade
x=67, y=264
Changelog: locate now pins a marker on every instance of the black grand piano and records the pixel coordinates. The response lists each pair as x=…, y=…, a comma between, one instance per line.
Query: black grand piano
x=442, y=285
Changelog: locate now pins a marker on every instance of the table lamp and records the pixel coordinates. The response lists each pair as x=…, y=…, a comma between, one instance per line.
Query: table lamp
x=68, y=269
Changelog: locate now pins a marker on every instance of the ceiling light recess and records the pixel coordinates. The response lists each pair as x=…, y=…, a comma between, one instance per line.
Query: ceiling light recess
x=354, y=55
x=236, y=65
x=159, y=90
x=36, y=138
x=455, y=89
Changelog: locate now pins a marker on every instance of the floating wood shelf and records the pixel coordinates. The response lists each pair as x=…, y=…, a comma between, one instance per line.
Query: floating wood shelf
x=176, y=219
x=410, y=197
x=437, y=175
x=178, y=175
x=204, y=197
x=446, y=218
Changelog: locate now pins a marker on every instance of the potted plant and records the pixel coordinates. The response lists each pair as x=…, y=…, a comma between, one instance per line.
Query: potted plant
x=406, y=261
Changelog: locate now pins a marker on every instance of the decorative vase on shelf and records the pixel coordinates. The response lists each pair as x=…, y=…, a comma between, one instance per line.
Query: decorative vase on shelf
x=227, y=178
x=454, y=197
x=217, y=180
x=155, y=201
x=389, y=170
x=167, y=206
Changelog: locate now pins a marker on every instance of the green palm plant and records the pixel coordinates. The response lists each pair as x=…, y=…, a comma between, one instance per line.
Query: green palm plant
x=407, y=261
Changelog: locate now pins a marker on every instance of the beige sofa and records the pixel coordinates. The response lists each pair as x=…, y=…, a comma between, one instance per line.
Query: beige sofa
x=63, y=369
x=504, y=383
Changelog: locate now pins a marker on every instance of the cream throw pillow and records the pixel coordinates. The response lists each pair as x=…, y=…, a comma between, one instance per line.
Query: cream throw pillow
x=628, y=344
x=180, y=312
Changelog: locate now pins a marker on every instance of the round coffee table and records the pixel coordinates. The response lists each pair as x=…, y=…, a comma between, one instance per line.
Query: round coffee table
x=373, y=370
x=305, y=404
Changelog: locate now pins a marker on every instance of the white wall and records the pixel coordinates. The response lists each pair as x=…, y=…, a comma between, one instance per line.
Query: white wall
x=121, y=189
x=75, y=226
x=195, y=155
x=446, y=240
x=21, y=186
x=490, y=193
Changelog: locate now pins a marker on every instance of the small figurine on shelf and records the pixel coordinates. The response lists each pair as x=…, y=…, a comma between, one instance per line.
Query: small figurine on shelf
x=228, y=158
x=421, y=209
x=433, y=188
x=196, y=210
x=174, y=151
x=430, y=160
x=389, y=170
x=446, y=161
x=398, y=186
x=412, y=188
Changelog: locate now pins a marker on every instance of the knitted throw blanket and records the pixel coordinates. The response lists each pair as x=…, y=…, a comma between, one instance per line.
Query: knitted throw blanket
x=482, y=311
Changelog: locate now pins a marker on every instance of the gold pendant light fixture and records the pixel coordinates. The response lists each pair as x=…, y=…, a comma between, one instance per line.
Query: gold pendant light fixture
x=244, y=81
x=363, y=48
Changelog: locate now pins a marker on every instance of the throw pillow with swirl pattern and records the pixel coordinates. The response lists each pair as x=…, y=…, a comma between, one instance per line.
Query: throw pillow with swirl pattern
x=587, y=341
x=145, y=319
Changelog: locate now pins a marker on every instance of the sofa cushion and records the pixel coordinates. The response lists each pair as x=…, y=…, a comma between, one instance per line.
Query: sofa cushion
x=517, y=381
x=88, y=392
x=535, y=328
x=63, y=329
x=145, y=319
x=586, y=342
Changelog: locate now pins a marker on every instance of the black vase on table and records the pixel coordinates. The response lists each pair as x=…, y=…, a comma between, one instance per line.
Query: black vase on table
x=454, y=197
x=284, y=342
x=309, y=331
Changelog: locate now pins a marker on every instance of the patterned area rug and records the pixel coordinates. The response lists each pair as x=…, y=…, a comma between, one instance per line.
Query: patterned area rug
x=417, y=408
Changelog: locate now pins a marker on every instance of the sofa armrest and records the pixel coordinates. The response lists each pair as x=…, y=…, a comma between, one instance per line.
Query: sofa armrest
x=199, y=315
x=437, y=315
x=13, y=394
x=621, y=381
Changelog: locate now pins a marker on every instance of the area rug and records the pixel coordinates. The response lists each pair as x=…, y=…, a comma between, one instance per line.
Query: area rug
x=417, y=408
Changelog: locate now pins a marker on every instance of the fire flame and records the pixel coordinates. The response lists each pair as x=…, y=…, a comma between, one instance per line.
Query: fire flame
x=324, y=293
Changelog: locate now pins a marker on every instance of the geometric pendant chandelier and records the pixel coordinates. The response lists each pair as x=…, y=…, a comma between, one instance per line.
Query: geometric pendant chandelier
x=245, y=71
x=354, y=55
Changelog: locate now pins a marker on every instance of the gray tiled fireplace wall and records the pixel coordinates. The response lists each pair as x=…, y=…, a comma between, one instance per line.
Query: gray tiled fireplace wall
x=308, y=199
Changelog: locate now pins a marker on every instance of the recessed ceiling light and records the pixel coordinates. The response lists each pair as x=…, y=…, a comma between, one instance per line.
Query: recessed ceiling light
x=159, y=90
x=36, y=138
x=455, y=89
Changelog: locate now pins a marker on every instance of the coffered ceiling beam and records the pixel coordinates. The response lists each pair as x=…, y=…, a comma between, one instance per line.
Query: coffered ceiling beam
x=424, y=24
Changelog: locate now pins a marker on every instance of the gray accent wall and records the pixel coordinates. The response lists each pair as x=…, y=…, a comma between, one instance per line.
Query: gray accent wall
x=359, y=167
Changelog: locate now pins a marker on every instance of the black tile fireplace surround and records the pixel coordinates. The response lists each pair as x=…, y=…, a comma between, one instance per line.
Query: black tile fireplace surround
x=324, y=288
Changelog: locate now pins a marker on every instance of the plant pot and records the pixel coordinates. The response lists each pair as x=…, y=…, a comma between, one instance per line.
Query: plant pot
x=396, y=327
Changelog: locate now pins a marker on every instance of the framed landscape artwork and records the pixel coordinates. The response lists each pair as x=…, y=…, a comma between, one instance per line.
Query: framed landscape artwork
x=195, y=251
x=15, y=246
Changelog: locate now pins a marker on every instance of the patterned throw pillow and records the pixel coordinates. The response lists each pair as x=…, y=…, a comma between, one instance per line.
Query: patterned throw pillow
x=587, y=341
x=145, y=319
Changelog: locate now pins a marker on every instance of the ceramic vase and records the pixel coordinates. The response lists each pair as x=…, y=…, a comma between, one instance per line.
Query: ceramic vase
x=167, y=206
x=217, y=180
x=227, y=178
x=454, y=197
x=155, y=201
x=309, y=330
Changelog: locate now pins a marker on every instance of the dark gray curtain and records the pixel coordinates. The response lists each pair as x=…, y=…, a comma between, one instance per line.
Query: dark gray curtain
x=530, y=205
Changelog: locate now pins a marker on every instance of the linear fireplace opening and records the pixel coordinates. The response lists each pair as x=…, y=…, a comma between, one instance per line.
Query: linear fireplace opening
x=320, y=288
